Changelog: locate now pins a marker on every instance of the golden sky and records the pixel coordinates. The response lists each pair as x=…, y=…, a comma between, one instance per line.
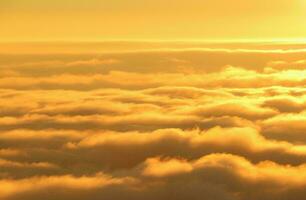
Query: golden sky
x=28, y=20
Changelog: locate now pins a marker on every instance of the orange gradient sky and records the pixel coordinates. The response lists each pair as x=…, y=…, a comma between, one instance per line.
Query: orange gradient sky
x=78, y=20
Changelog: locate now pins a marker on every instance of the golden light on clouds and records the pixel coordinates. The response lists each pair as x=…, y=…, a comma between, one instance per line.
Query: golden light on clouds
x=152, y=100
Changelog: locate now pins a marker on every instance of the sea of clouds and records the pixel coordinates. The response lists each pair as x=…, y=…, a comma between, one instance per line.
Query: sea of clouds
x=158, y=124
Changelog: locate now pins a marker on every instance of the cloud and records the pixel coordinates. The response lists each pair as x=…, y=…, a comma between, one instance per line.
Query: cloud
x=283, y=65
x=236, y=173
x=281, y=127
x=10, y=152
x=155, y=122
x=234, y=109
x=187, y=144
x=217, y=175
x=242, y=168
x=12, y=164
x=32, y=186
x=285, y=105
x=230, y=77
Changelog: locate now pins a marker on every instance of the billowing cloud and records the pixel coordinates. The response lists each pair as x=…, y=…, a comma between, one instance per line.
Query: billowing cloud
x=186, y=122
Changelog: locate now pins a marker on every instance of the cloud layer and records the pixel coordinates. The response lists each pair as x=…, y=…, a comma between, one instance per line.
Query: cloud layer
x=224, y=124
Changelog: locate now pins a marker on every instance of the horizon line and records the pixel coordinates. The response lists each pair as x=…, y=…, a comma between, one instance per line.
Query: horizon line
x=275, y=40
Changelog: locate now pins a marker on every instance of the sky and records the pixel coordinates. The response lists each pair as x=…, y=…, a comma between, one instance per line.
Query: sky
x=152, y=100
x=100, y=20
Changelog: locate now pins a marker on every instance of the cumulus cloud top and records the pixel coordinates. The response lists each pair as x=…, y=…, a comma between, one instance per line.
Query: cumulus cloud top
x=185, y=123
